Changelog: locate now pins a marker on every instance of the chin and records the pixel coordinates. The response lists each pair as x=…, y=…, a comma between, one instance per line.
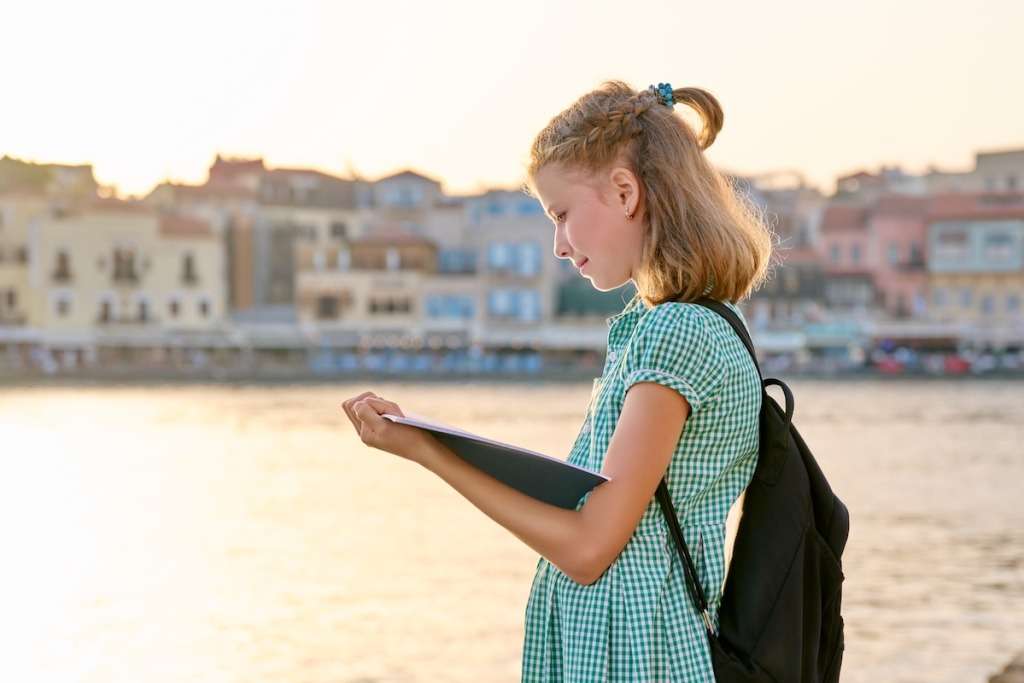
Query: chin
x=605, y=287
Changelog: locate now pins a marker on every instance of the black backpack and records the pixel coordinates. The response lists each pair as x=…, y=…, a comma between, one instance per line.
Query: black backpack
x=779, y=619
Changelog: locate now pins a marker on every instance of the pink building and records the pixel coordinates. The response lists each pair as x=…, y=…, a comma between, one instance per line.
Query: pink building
x=898, y=233
x=844, y=241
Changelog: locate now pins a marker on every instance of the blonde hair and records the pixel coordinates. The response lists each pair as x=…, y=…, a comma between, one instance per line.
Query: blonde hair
x=701, y=235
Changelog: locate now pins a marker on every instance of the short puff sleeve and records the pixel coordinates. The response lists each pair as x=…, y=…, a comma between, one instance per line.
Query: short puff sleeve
x=673, y=347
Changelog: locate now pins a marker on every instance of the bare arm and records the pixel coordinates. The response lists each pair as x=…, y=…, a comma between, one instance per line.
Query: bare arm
x=584, y=543
x=556, y=533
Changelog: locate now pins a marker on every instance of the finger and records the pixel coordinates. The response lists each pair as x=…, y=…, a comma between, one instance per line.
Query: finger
x=383, y=406
x=348, y=405
x=369, y=418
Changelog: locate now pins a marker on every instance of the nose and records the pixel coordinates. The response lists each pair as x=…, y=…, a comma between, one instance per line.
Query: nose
x=562, y=249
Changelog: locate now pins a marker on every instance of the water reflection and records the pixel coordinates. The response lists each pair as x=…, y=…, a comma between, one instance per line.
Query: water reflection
x=222, y=534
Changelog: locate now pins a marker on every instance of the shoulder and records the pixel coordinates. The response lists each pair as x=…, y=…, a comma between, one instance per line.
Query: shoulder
x=675, y=321
x=677, y=344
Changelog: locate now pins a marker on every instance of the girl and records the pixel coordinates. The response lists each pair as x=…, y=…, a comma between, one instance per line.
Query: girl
x=633, y=199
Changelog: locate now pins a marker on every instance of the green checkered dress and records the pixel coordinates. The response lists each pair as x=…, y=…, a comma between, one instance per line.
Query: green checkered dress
x=637, y=622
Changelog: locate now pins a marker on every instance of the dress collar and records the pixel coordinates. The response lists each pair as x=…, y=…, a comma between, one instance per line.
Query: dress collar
x=633, y=307
x=637, y=306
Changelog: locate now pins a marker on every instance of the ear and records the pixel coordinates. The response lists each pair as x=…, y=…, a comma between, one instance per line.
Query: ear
x=627, y=189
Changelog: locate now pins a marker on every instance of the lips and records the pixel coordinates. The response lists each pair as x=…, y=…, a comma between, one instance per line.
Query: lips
x=583, y=263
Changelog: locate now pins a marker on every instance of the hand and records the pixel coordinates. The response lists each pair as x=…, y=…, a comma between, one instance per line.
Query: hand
x=365, y=411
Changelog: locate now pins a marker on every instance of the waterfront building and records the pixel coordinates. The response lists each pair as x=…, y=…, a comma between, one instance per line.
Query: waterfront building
x=17, y=211
x=994, y=171
x=119, y=267
x=895, y=254
x=976, y=266
x=849, y=284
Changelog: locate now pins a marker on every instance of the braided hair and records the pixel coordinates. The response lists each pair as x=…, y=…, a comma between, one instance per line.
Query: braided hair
x=701, y=236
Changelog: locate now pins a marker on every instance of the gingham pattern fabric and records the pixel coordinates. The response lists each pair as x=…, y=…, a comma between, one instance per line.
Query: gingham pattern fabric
x=637, y=622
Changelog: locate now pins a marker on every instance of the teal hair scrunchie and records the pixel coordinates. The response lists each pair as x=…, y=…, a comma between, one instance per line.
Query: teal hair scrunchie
x=664, y=93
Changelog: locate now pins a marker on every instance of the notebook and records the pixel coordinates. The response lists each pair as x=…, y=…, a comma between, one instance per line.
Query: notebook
x=537, y=475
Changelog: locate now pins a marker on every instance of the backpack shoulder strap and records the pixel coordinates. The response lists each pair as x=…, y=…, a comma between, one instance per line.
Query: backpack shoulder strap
x=665, y=499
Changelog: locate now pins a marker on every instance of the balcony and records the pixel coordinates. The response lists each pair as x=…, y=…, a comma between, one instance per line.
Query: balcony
x=125, y=277
x=513, y=271
x=126, y=321
x=125, y=272
x=915, y=262
x=12, y=319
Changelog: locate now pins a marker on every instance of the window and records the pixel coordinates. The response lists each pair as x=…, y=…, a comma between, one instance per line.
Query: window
x=406, y=197
x=188, y=269
x=62, y=272
x=855, y=254
x=529, y=259
x=529, y=305
x=143, y=311
x=500, y=302
x=174, y=308
x=915, y=253
x=987, y=304
x=319, y=259
x=63, y=306
x=998, y=246
x=339, y=230
x=834, y=253
x=951, y=244
x=939, y=297
x=344, y=259
x=326, y=308
x=1011, y=182
x=449, y=306
x=965, y=296
x=1012, y=303
x=12, y=298
x=393, y=259
x=953, y=238
x=523, y=304
x=498, y=255
x=894, y=253
x=105, y=312
x=124, y=266
x=920, y=302
x=204, y=308
x=390, y=305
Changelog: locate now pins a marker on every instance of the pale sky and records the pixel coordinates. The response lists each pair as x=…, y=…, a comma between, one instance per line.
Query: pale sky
x=147, y=91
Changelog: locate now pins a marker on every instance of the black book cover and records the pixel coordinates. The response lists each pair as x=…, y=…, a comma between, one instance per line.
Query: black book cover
x=537, y=475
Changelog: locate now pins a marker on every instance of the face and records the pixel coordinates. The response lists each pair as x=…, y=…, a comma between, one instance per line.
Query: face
x=591, y=227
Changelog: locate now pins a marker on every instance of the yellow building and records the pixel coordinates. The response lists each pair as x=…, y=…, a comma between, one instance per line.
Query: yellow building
x=16, y=213
x=976, y=266
x=367, y=288
x=121, y=271
x=987, y=307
